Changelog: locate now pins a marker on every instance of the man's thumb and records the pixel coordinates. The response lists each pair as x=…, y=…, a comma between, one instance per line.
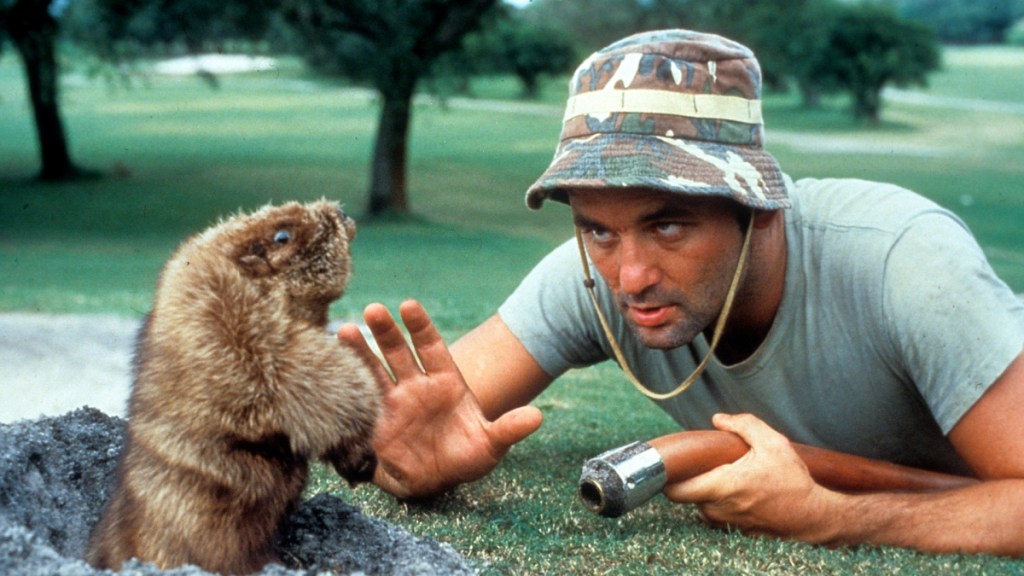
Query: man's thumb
x=514, y=425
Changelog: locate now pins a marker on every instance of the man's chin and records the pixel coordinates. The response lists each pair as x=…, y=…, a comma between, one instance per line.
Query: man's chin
x=660, y=338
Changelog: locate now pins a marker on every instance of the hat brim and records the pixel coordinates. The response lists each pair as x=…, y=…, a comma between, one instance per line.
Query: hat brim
x=746, y=174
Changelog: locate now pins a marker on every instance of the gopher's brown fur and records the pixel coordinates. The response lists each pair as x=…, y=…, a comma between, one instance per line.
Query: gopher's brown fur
x=237, y=386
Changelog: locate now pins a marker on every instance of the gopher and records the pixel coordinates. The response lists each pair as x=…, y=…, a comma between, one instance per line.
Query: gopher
x=237, y=385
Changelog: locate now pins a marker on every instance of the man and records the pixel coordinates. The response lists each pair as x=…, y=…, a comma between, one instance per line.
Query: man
x=847, y=314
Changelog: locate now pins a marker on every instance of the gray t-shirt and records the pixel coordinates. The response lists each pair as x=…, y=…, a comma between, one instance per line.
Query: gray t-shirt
x=891, y=326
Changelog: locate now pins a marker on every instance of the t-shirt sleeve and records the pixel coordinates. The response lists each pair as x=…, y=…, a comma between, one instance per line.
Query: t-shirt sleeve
x=551, y=314
x=955, y=324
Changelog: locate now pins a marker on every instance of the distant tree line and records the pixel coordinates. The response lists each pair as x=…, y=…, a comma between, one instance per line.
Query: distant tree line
x=965, y=21
x=399, y=47
x=814, y=46
x=390, y=45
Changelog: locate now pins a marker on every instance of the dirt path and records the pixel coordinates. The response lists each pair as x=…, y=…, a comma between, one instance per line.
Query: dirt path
x=51, y=364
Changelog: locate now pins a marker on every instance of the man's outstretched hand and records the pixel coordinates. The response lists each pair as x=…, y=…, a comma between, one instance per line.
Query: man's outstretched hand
x=432, y=435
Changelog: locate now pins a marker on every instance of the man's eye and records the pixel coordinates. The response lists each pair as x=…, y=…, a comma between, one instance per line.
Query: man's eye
x=668, y=228
x=598, y=235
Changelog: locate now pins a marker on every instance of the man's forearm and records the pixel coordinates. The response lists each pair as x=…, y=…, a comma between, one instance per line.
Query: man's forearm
x=984, y=518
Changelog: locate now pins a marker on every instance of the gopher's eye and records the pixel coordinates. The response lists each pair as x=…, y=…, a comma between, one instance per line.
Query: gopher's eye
x=282, y=237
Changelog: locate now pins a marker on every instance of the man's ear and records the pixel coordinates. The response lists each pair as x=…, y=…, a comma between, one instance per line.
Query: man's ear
x=765, y=218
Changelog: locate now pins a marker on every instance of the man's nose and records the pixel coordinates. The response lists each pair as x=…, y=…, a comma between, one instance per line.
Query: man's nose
x=638, y=270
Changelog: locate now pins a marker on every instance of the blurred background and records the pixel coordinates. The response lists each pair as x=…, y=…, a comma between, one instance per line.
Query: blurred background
x=126, y=125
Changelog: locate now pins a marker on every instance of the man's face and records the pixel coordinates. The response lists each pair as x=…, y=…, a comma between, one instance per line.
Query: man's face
x=668, y=259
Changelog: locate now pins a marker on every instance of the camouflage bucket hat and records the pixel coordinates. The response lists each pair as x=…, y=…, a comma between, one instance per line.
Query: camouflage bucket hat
x=671, y=110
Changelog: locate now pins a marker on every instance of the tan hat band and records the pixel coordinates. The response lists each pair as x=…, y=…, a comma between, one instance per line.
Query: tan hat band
x=709, y=106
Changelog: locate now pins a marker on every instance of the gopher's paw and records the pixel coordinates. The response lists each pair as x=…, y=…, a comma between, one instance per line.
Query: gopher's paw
x=356, y=466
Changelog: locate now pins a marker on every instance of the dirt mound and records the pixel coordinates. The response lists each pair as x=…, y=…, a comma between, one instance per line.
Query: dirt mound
x=56, y=473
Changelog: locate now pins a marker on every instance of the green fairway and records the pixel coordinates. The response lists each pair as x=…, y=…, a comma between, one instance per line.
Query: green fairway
x=179, y=155
x=985, y=72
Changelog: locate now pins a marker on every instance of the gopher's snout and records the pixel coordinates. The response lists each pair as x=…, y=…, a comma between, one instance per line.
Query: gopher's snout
x=347, y=223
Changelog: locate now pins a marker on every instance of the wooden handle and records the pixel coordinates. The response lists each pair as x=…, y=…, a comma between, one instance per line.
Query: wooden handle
x=688, y=454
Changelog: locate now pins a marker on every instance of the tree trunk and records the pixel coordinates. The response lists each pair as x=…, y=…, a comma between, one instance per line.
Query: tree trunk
x=390, y=153
x=34, y=33
x=531, y=84
x=810, y=95
x=395, y=43
x=868, y=105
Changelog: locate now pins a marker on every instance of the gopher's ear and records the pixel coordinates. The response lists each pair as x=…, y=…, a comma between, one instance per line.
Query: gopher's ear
x=254, y=263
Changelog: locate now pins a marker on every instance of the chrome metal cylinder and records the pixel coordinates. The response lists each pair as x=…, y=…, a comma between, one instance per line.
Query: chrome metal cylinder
x=619, y=480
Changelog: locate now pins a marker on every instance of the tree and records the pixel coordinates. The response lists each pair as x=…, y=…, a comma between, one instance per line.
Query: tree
x=532, y=51
x=119, y=30
x=391, y=44
x=869, y=47
x=592, y=24
x=509, y=43
x=783, y=34
x=33, y=29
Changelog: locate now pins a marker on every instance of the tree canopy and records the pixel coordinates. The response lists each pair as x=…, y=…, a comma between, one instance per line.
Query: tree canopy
x=391, y=44
x=870, y=47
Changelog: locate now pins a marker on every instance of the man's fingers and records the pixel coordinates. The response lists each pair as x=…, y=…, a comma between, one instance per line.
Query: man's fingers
x=702, y=488
x=713, y=484
x=387, y=482
x=514, y=426
x=431, y=349
x=351, y=336
x=754, y=431
x=735, y=423
x=391, y=341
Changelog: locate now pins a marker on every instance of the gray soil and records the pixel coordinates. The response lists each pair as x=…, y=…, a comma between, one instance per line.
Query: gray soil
x=56, y=474
x=56, y=471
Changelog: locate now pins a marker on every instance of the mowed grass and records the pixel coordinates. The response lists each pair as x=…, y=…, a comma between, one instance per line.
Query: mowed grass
x=991, y=73
x=181, y=155
x=965, y=158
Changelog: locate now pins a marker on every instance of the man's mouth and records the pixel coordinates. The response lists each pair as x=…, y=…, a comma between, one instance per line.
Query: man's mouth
x=648, y=316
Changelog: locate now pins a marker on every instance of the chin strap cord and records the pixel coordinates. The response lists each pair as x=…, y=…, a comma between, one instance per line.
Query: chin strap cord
x=723, y=317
